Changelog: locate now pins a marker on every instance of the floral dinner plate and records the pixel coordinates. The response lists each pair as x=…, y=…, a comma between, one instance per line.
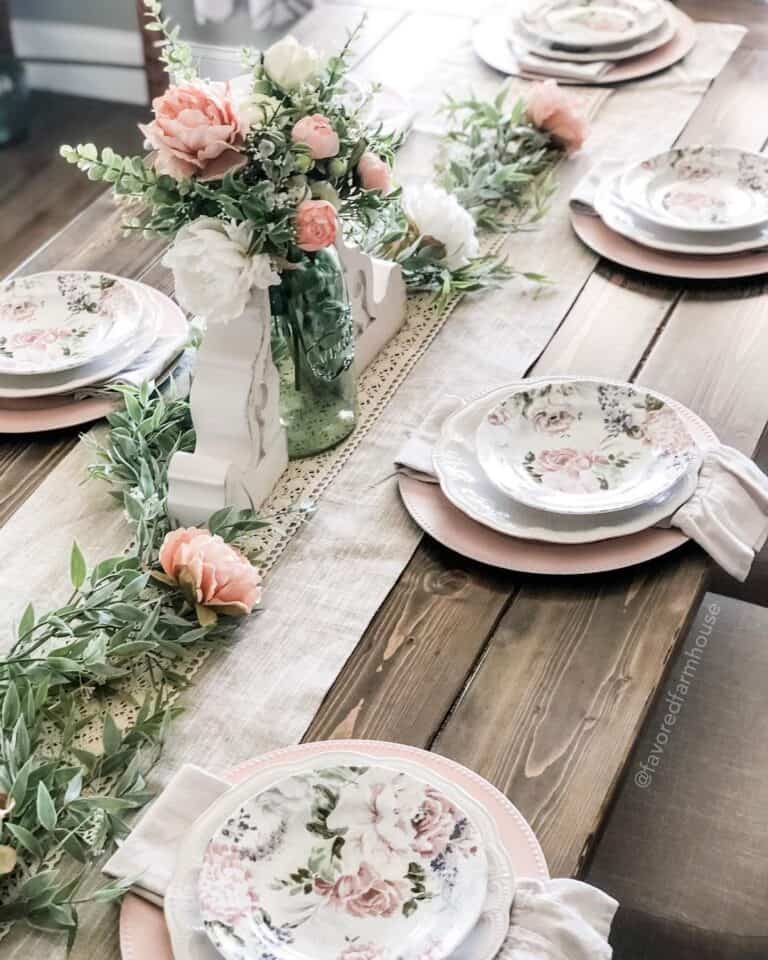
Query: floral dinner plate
x=60, y=320
x=592, y=23
x=583, y=446
x=619, y=217
x=325, y=861
x=699, y=188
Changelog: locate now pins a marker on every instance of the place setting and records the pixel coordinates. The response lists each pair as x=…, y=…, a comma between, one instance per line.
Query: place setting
x=66, y=336
x=697, y=212
x=585, y=42
x=346, y=850
x=569, y=475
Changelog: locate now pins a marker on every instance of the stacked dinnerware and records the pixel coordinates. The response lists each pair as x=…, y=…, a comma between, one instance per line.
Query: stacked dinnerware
x=570, y=460
x=66, y=335
x=700, y=200
x=585, y=38
x=336, y=850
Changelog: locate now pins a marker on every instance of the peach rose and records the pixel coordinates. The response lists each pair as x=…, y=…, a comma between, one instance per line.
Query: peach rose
x=551, y=108
x=434, y=824
x=566, y=459
x=210, y=572
x=315, y=225
x=316, y=133
x=364, y=894
x=361, y=951
x=196, y=132
x=374, y=173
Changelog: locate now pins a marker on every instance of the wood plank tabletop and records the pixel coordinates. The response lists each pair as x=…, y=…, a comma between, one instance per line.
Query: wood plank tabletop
x=539, y=684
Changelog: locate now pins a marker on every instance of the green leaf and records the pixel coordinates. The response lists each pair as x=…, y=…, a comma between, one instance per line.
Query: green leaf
x=25, y=838
x=11, y=706
x=46, y=811
x=27, y=621
x=77, y=567
x=111, y=736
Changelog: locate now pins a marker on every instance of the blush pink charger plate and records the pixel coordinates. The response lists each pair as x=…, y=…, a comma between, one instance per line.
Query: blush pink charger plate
x=74, y=413
x=143, y=933
x=444, y=522
x=611, y=245
x=634, y=68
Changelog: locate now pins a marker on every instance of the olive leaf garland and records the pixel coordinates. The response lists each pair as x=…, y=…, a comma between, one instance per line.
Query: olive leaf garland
x=64, y=799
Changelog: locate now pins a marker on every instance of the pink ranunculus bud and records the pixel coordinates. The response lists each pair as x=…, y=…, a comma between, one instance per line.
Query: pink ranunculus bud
x=317, y=133
x=374, y=173
x=316, y=225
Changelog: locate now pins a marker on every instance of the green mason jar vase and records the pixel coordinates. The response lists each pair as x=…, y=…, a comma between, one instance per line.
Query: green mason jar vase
x=313, y=347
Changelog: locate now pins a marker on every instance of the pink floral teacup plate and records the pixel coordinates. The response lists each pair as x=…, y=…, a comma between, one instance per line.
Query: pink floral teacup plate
x=583, y=446
x=324, y=863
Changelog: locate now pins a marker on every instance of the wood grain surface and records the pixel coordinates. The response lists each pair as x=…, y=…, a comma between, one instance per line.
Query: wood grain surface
x=540, y=684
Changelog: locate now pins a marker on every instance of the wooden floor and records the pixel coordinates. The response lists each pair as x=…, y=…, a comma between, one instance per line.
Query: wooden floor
x=39, y=192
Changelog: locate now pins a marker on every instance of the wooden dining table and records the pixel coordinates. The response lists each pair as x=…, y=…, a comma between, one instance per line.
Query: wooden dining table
x=540, y=684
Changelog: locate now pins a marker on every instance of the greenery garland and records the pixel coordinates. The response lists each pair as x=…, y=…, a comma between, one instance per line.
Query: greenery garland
x=60, y=799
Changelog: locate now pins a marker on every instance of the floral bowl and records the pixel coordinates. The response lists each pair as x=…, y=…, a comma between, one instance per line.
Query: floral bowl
x=583, y=446
x=343, y=863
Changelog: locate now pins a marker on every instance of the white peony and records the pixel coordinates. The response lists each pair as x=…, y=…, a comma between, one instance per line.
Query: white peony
x=213, y=271
x=289, y=63
x=253, y=110
x=439, y=215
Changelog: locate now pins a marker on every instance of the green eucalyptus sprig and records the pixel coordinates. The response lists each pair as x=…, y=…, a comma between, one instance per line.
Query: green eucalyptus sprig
x=65, y=790
x=174, y=53
x=497, y=163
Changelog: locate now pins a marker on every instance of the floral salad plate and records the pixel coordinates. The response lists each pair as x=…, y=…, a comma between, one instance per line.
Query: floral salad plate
x=583, y=446
x=592, y=23
x=57, y=321
x=343, y=861
x=700, y=189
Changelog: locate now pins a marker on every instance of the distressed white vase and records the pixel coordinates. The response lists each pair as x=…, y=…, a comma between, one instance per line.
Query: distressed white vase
x=241, y=447
x=377, y=297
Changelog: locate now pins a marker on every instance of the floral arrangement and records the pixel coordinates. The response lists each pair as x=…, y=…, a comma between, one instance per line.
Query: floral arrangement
x=254, y=175
x=136, y=615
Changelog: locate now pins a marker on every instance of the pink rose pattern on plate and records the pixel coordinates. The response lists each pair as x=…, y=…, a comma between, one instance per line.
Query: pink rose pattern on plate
x=379, y=846
x=701, y=165
x=86, y=303
x=638, y=421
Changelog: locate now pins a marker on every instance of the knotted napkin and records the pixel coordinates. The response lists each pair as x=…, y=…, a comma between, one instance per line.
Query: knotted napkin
x=582, y=199
x=550, y=919
x=727, y=514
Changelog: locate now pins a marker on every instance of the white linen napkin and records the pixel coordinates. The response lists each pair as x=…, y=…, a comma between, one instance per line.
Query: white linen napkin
x=727, y=514
x=148, y=854
x=559, y=69
x=550, y=919
x=151, y=365
x=582, y=199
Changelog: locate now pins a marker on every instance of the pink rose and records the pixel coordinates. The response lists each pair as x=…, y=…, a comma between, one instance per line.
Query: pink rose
x=434, y=824
x=566, y=459
x=374, y=173
x=315, y=225
x=195, y=132
x=553, y=420
x=551, y=108
x=225, y=887
x=210, y=572
x=317, y=133
x=361, y=951
x=663, y=429
x=364, y=894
